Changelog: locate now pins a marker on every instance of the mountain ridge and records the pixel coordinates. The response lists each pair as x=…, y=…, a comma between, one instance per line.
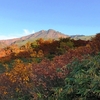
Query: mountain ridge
x=45, y=34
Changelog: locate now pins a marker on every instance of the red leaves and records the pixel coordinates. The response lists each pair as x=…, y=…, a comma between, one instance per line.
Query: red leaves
x=45, y=74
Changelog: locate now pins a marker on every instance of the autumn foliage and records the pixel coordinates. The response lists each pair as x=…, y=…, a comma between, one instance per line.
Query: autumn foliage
x=40, y=67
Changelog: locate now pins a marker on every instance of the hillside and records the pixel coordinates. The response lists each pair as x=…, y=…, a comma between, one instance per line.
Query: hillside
x=2, y=45
x=45, y=34
x=64, y=69
x=82, y=37
x=49, y=34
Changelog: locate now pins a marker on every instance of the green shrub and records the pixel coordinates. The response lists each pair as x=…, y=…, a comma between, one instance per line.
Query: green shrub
x=83, y=82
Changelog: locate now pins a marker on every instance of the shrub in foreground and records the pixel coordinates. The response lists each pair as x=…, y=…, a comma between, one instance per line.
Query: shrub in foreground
x=83, y=83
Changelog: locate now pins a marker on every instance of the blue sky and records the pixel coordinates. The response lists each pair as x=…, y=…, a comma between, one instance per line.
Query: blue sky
x=71, y=17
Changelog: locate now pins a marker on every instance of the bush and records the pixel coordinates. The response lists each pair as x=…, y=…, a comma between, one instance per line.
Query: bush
x=83, y=82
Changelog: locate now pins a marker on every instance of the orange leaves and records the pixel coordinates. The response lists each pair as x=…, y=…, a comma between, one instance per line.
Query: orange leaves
x=33, y=54
x=17, y=80
x=21, y=72
x=28, y=78
x=40, y=53
x=37, y=54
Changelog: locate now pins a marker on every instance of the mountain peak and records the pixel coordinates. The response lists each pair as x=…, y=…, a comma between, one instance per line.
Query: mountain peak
x=42, y=31
x=45, y=34
x=51, y=30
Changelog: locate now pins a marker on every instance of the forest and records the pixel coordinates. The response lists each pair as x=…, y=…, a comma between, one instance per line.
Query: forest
x=64, y=69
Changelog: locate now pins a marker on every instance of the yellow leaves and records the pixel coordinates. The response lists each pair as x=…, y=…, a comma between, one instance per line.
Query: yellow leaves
x=37, y=54
x=11, y=77
x=7, y=73
x=26, y=78
x=40, y=53
x=17, y=80
x=27, y=45
x=17, y=89
x=18, y=61
x=6, y=67
x=34, y=54
x=20, y=73
x=5, y=92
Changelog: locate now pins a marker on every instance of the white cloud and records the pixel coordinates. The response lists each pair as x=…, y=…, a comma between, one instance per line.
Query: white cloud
x=16, y=35
x=3, y=37
x=33, y=31
x=27, y=32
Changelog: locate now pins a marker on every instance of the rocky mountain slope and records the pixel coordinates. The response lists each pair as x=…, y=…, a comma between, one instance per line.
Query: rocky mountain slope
x=49, y=34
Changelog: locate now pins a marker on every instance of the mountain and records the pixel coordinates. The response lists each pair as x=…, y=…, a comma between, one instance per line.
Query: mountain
x=73, y=36
x=49, y=34
x=2, y=45
x=82, y=37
